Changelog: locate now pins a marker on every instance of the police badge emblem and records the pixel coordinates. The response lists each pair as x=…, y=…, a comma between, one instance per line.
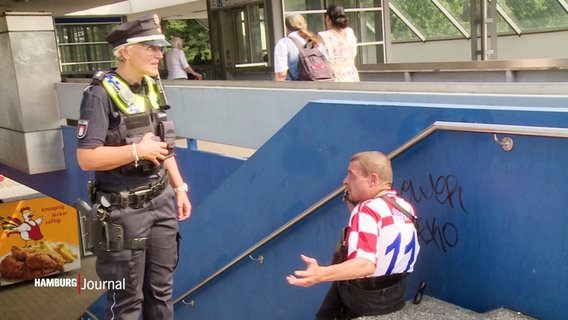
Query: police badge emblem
x=157, y=22
x=82, y=126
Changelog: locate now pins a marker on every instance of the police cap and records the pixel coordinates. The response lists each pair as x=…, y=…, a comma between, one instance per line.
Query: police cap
x=145, y=30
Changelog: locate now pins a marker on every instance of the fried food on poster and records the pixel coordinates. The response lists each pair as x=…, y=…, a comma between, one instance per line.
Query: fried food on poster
x=36, y=261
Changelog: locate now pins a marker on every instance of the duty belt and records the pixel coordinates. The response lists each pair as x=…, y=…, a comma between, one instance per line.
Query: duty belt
x=135, y=198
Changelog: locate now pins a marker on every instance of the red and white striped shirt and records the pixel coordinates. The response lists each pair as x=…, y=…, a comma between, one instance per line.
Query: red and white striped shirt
x=382, y=234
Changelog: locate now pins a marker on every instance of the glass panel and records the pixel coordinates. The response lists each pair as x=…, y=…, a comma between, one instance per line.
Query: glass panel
x=347, y=4
x=263, y=35
x=503, y=26
x=372, y=27
x=294, y=5
x=427, y=18
x=301, y=5
x=84, y=68
x=241, y=36
x=459, y=11
x=251, y=37
x=257, y=27
x=536, y=15
x=369, y=30
x=316, y=22
x=83, y=49
x=86, y=53
x=370, y=54
x=354, y=22
x=370, y=4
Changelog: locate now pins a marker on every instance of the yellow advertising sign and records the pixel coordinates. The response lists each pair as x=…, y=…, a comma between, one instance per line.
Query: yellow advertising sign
x=39, y=237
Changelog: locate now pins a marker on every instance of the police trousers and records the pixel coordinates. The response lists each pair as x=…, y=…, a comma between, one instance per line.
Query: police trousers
x=147, y=273
x=363, y=297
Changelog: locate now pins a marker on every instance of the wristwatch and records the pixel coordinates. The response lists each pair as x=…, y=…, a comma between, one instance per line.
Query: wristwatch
x=183, y=188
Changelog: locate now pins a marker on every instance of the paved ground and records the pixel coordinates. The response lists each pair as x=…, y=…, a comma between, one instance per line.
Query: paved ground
x=434, y=309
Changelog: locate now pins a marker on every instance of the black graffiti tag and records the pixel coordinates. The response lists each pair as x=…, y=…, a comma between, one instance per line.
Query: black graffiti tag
x=443, y=236
x=444, y=189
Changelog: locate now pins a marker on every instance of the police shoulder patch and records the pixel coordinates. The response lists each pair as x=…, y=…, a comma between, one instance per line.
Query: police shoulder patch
x=82, y=127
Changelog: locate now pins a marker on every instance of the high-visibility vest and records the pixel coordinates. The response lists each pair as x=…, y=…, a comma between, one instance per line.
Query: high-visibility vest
x=126, y=100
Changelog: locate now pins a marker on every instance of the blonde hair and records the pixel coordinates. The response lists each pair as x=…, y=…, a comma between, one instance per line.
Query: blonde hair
x=117, y=52
x=375, y=162
x=176, y=42
x=296, y=22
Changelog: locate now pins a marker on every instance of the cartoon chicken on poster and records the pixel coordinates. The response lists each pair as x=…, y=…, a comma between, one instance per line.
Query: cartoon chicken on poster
x=30, y=255
x=28, y=229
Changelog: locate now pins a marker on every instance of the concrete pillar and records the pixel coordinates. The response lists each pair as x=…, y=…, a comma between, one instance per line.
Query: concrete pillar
x=30, y=125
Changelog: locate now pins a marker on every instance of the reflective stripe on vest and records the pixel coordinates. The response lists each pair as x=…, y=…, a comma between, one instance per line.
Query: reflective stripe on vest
x=128, y=101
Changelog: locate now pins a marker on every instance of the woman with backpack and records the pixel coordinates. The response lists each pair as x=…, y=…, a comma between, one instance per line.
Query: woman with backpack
x=286, y=52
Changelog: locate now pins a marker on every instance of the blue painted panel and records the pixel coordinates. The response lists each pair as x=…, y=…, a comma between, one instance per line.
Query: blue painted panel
x=259, y=291
x=204, y=171
x=492, y=223
x=307, y=159
x=493, y=233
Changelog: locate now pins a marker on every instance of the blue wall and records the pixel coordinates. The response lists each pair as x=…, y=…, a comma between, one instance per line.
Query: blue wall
x=492, y=221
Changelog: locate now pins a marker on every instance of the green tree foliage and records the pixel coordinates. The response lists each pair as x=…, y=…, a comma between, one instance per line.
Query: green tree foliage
x=529, y=15
x=195, y=36
x=426, y=17
x=536, y=15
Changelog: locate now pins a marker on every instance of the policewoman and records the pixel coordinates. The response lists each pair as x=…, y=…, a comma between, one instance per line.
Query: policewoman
x=125, y=137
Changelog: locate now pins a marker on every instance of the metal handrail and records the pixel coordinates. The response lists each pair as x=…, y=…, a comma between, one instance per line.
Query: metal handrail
x=438, y=125
x=262, y=242
x=480, y=128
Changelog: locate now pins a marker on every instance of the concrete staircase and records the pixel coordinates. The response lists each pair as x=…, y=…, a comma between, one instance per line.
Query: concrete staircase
x=433, y=309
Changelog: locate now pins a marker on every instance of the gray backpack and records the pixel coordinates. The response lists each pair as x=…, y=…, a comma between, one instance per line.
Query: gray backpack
x=313, y=65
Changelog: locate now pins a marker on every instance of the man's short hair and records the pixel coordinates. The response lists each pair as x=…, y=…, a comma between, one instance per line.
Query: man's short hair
x=375, y=162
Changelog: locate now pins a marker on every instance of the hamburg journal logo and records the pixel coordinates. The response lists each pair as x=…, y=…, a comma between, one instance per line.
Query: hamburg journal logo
x=80, y=284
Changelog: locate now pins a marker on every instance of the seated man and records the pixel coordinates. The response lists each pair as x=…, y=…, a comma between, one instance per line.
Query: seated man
x=381, y=244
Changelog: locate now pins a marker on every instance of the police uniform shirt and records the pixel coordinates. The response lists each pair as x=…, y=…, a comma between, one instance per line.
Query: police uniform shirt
x=96, y=119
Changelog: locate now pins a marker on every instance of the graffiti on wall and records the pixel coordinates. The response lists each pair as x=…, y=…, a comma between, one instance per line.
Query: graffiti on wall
x=445, y=190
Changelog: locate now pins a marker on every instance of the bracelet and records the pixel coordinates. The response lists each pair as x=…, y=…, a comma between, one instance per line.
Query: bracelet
x=135, y=155
x=183, y=188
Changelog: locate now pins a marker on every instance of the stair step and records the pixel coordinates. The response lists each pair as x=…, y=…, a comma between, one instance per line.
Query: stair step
x=433, y=309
